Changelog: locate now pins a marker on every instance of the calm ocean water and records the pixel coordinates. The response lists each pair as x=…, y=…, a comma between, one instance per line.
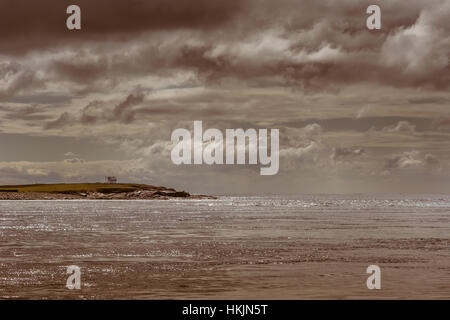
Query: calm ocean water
x=233, y=247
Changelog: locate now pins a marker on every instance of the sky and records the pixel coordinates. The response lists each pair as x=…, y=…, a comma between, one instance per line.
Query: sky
x=358, y=110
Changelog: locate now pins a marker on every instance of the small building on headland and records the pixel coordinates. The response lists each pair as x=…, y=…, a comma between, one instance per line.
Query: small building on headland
x=111, y=179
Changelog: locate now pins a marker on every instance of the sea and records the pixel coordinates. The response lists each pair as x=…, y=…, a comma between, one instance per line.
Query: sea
x=271, y=247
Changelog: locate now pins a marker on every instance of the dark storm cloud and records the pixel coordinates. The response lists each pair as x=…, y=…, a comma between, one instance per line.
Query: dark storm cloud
x=26, y=25
x=324, y=42
x=80, y=71
x=304, y=44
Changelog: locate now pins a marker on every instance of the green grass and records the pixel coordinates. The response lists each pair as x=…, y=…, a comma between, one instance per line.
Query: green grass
x=78, y=187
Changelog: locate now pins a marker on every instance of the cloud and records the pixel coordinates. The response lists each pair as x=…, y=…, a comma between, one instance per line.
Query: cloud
x=111, y=19
x=15, y=79
x=409, y=160
x=71, y=157
x=421, y=51
x=73, y=160
x=63, y=120
x=122, y=110
x=251, y=41
x=309, y=151
x=99, y=111
x=431, y=160
x=70, y=154
x=401, y=127
x=303, y=147
x=340, y=153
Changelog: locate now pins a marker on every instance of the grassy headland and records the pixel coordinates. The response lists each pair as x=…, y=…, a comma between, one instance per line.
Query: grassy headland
x=77, y=187
x=90, y=191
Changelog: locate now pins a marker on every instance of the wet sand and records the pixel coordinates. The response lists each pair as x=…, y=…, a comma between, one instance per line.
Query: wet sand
x=309, y=247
